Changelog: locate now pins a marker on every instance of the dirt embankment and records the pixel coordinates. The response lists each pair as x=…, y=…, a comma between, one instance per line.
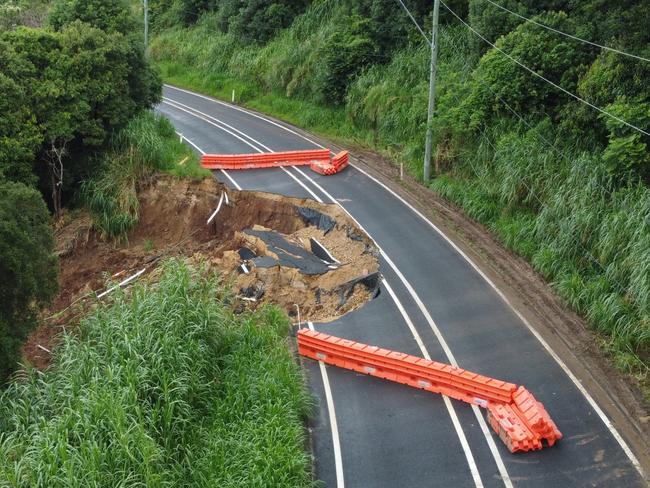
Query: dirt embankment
x=267, y=247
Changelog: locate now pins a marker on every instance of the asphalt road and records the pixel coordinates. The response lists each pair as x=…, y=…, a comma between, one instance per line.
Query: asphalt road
x=434, y=302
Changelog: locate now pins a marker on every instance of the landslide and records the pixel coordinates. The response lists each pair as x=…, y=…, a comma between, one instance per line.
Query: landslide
x=173, y=222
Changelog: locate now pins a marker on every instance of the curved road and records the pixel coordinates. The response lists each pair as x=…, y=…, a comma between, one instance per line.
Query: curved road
x=434, y=303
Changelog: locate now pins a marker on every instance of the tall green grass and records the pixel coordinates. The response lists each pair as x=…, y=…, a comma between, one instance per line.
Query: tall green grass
x=146, y=145
x=162, y=387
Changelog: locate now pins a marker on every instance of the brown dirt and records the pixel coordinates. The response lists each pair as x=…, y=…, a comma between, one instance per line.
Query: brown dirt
x=173, y=222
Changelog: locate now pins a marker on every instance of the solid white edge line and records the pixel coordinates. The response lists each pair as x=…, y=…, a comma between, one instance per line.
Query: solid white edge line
x=214, y=214
x=338, y=459
x=180, y=105
x=205, y=119
x=503, y=472
x=450, y=408
x=121, y=284
x=231, y=179
x=601, y=414
x=235, y=107
x=191, y=143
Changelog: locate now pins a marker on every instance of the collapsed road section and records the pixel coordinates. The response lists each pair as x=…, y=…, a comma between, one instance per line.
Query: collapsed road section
x=305, y=257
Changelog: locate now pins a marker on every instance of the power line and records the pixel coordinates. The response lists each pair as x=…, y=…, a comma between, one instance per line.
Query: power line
x=408, y=12
x=535, y=73
x=575, y=38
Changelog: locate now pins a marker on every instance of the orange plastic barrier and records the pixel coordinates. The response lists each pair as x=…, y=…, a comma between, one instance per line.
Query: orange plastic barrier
x=319, y=160
x=264, y=160
x=338, y=163
x=520, y=420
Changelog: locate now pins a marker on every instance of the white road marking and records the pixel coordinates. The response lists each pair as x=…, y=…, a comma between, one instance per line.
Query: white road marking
x=242, y=136
x=450, y=408
x=601, y=414
x=470, y=458
x=202, y=152
x=214, y=214
x=191, y=143
x=338, y=459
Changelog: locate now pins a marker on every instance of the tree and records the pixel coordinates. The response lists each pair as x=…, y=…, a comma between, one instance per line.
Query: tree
x=27, y=265
x=107, y=15
x=115, y=16
x=559, y=60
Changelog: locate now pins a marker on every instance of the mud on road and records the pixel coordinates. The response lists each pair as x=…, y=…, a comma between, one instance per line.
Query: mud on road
x=262, y=244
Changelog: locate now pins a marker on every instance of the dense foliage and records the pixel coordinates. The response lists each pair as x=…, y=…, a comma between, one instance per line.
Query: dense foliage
x=562, y=183
x=147, y=144
x=27, y=266
x=70, y=88
x=73, y=74
x=163, y=387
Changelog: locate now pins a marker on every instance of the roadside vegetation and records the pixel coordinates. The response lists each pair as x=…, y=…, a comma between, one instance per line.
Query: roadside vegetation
x=561, y=184
x=162, y=386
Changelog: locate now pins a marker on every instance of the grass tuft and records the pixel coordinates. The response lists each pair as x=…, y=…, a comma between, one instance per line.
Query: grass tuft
x=162, y=387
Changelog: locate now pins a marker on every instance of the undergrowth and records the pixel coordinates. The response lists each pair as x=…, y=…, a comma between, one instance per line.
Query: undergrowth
x=162, y=386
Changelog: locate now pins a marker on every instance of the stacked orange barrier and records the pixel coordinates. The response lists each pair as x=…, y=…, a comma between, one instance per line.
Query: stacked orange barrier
x=337, y=164
x=520, y=420
x=264, y=160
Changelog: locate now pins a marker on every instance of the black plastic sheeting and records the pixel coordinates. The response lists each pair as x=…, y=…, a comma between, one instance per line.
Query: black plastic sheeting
x=290, y=255
x=314, y=217
x=370, y=281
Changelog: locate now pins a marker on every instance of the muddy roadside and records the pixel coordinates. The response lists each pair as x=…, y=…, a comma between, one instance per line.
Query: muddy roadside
x=568, y=334
x=309, y=259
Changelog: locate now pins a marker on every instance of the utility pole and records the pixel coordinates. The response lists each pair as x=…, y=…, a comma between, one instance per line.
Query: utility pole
x=146, y=24
x=432, y=91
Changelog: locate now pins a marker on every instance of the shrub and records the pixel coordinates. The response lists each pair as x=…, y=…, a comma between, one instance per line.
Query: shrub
x=27, y=265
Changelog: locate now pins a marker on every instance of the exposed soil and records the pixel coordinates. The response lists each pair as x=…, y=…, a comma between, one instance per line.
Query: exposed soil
x=173, y=222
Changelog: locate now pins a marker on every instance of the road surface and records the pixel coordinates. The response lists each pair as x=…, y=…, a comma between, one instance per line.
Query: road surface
x=434, y=302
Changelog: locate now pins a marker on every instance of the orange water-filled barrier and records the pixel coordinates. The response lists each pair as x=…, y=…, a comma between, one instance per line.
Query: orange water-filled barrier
x=519, y=420
x=320, y=160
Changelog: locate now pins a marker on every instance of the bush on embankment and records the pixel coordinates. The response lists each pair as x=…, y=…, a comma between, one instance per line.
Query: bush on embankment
x=162, y=386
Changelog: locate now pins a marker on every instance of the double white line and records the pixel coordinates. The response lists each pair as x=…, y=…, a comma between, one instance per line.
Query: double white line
x=592, y=402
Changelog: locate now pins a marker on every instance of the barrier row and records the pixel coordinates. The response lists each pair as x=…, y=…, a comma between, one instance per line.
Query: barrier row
x=519, y=420
x=319, y=160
